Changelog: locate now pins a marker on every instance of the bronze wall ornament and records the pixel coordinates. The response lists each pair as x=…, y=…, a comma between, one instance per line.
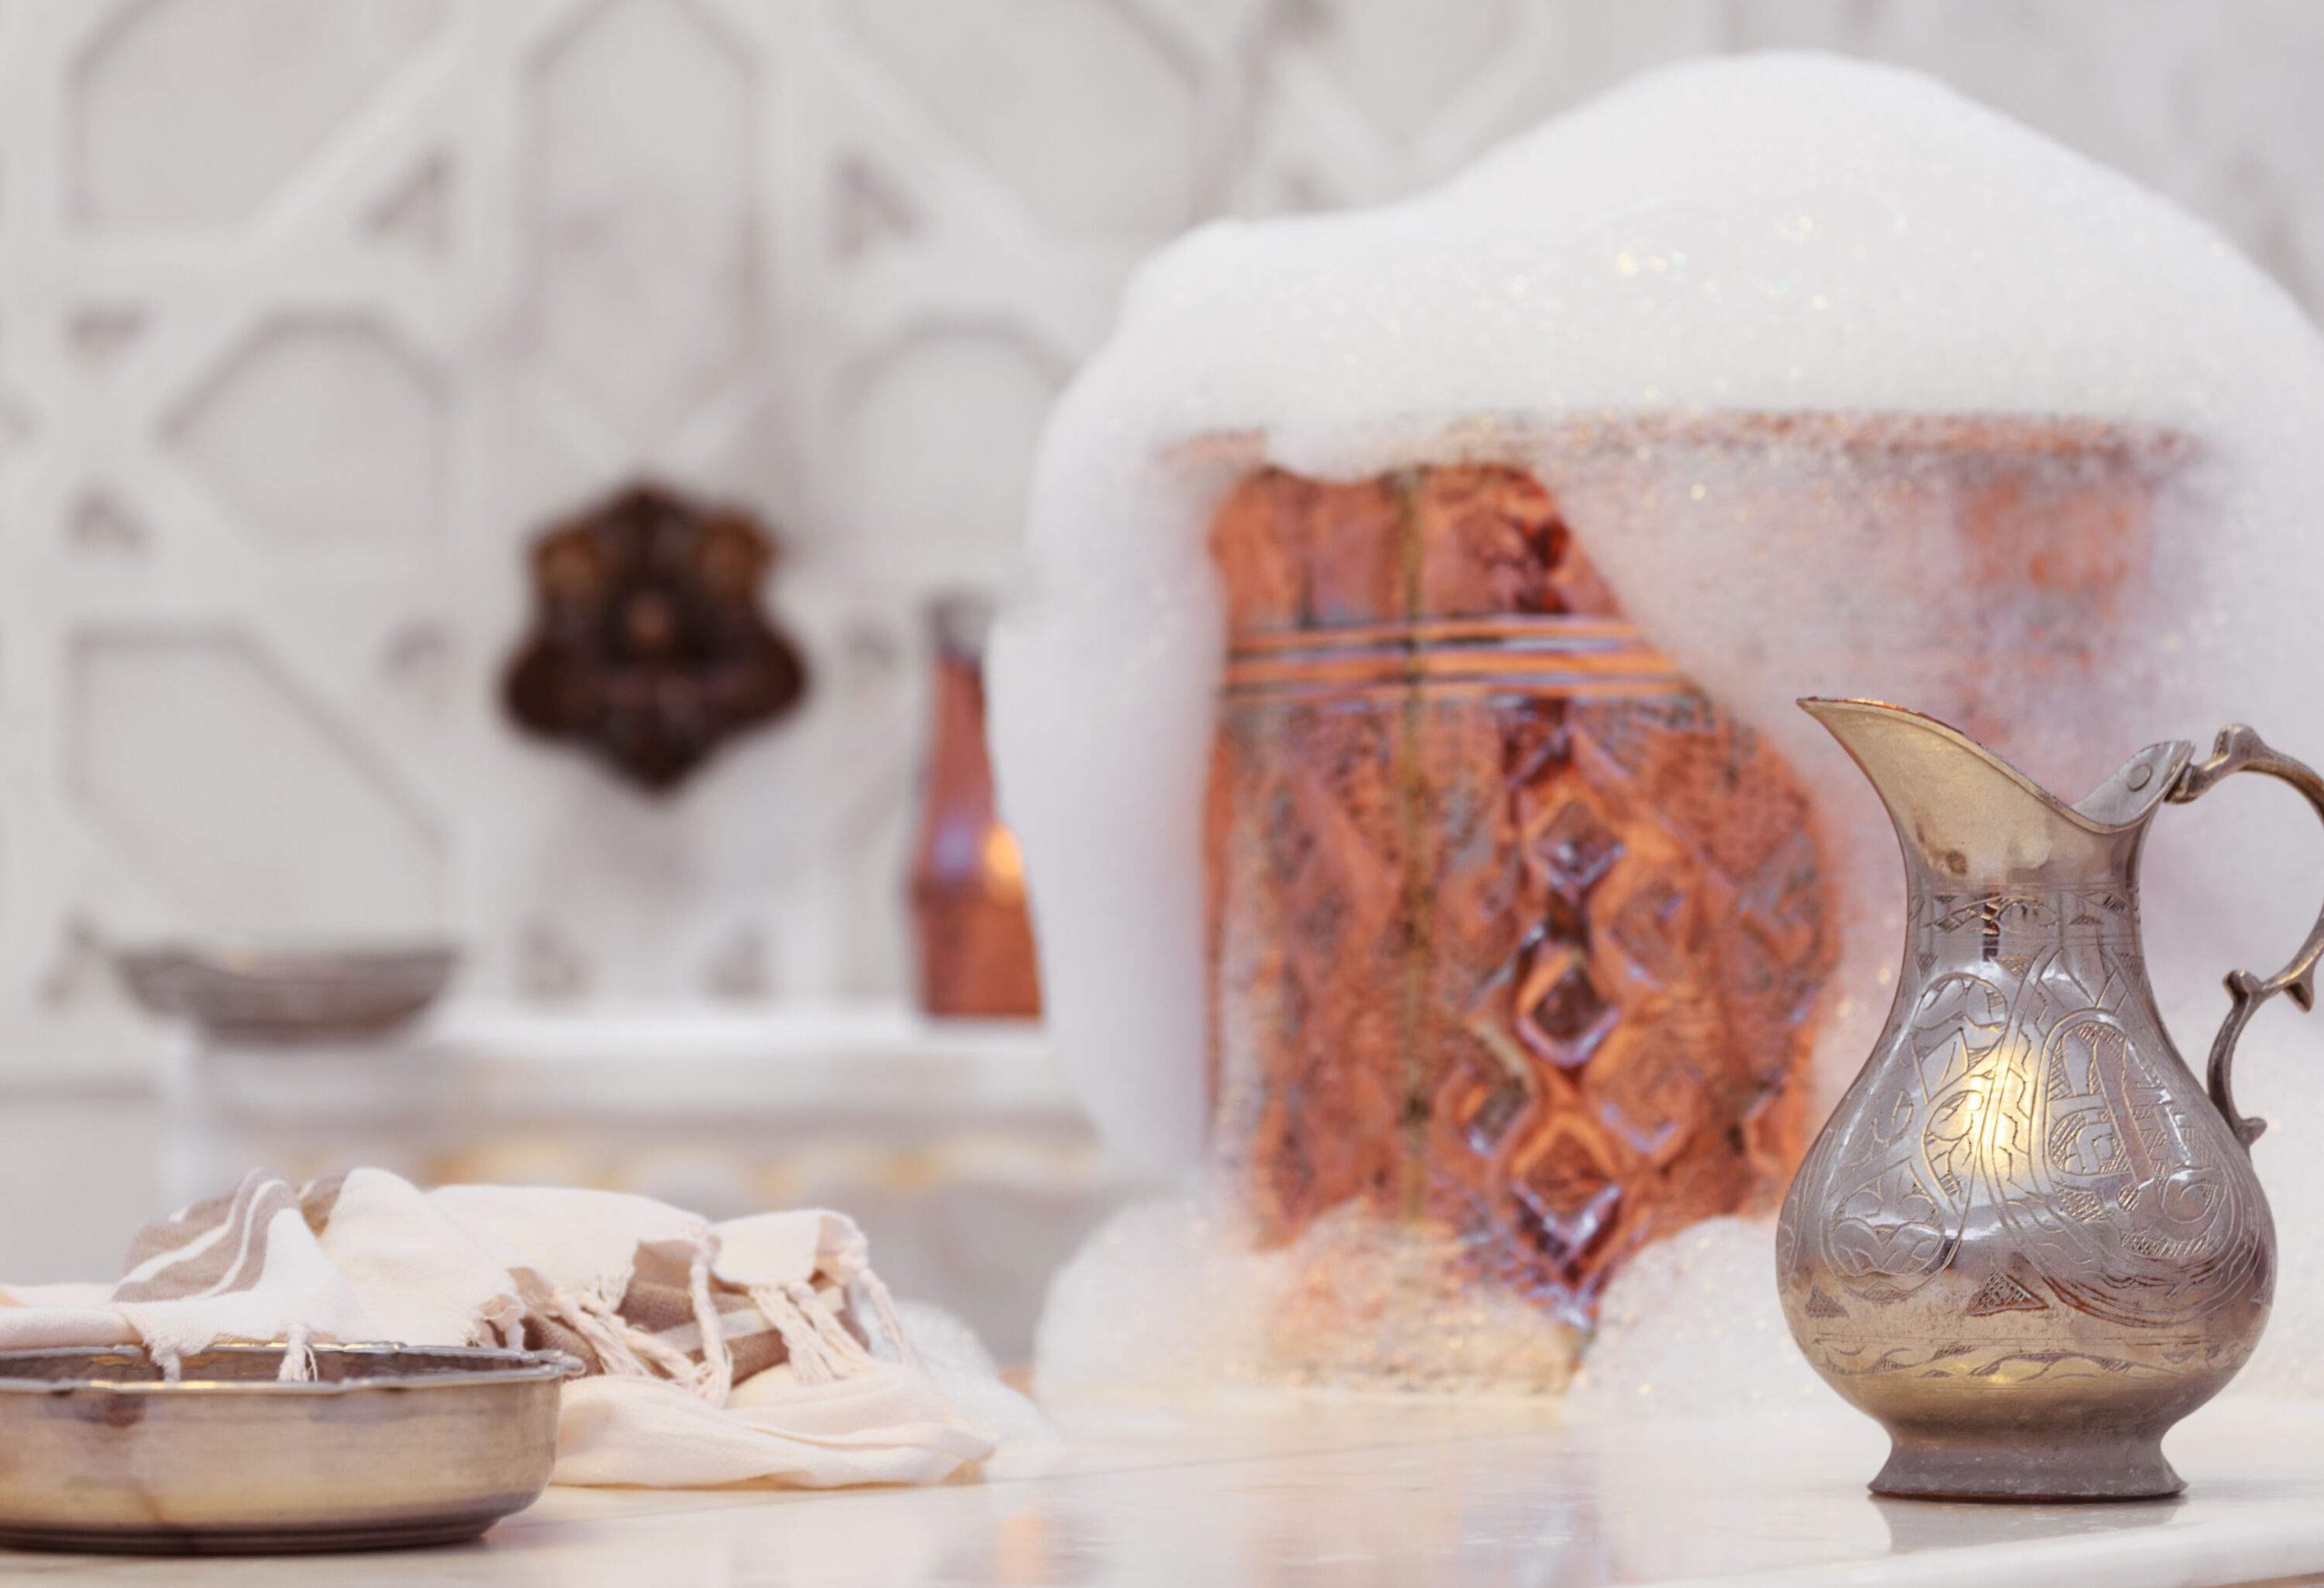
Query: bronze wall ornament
x=650, y=645
x=2028, y=1241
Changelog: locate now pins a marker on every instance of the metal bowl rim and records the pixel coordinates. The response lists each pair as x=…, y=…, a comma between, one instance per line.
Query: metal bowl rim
x=270, y=965
x=520, y=1367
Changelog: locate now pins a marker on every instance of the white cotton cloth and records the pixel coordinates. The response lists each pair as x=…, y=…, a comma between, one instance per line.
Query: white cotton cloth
x=756, y=1350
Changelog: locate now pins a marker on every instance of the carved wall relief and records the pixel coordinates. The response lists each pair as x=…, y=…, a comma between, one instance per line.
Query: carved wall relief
x=650, y=644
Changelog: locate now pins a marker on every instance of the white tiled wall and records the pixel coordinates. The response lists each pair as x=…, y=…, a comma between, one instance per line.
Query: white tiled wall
x=311, y=310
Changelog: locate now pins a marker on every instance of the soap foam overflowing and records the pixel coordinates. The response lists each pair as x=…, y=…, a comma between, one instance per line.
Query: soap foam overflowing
x=1693, y=1327
x=1170, y=1298
x=1779, y=235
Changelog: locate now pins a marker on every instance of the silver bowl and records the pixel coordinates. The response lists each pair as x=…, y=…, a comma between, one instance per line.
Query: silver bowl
x=388, y=1446
x=288, y=995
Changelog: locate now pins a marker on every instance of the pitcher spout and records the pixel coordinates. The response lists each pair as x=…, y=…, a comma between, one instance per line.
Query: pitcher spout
x=1969, y=819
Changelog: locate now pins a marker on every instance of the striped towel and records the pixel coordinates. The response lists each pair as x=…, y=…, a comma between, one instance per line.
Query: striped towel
x=756, y=1349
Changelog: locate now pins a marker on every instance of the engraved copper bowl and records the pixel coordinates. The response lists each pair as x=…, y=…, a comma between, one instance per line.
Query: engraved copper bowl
x=387, y=1446
x=1515, y=935
x=288, y=995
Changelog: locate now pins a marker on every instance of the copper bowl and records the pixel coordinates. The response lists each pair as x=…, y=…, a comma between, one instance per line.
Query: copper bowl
x=387, y=1446
x=288, y=995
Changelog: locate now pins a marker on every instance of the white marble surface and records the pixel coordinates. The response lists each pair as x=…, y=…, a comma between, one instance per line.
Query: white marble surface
x=1389, y=1493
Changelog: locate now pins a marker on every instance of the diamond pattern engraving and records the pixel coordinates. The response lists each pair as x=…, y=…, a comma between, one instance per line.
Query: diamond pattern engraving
x=1649, y=926
x=1562, y=1014
x=1495, y=1112
x=1485, y=960
x=1651, y=1093
x=1329, y=941
x=1484, y=1096
x=1575, y=847
x=1567, y=1196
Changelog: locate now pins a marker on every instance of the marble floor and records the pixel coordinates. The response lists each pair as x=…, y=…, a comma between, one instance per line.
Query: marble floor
x=1381, y=1493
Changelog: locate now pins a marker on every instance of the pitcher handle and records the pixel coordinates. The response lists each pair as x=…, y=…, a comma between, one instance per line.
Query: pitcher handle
x=2240, y=749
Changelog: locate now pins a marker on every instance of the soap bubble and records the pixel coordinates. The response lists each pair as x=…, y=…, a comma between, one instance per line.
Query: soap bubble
x=1728, y=315
x=1692, y=1329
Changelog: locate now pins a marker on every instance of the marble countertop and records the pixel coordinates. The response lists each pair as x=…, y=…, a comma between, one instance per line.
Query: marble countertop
x=1383, y=1492
x=869, y=1058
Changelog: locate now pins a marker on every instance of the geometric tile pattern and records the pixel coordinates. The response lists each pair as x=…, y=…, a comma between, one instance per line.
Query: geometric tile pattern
x=1404, y=66
x=178, y=123
x=1100, y=133
x=646, y=228
x=163, y=729
x=311, y=310
x=319, y=429
x=961, y=511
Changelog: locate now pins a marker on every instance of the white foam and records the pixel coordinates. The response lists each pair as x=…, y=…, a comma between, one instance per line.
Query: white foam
x=1675, y=1326
x=1170, y=1300
x=1780, y=233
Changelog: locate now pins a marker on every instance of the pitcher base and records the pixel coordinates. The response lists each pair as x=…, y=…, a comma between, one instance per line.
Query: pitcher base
x=2018, y=1469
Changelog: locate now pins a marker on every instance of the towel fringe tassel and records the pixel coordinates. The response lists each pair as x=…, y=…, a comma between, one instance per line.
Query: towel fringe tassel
x=817, y=1342
x=883, y=1308
x=716, y=1381
x=844, y=1347
x=297, y=1355
x=622, y=1351
x=819, y=1348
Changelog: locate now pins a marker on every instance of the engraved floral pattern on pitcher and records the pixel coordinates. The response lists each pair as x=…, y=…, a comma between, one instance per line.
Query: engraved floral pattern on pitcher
x=2029, y=1241
x=2022, y=1090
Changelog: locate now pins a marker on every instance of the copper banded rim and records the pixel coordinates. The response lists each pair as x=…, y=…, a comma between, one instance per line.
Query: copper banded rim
x=432, y=1367
x=1516, y=436
x=1520, y=652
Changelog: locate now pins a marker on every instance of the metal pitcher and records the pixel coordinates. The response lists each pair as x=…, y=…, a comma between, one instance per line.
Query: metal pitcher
x=2028, y=1242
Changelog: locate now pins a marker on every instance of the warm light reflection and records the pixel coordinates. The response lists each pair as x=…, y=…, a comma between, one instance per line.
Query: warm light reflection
x=1003, y=862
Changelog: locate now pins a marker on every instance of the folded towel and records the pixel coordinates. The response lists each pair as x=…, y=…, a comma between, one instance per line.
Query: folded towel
x=757, y=1350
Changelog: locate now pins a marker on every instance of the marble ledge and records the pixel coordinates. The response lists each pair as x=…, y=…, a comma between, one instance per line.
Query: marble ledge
x=870, y=1059
x=782, y=1049
x=1387, y=1492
